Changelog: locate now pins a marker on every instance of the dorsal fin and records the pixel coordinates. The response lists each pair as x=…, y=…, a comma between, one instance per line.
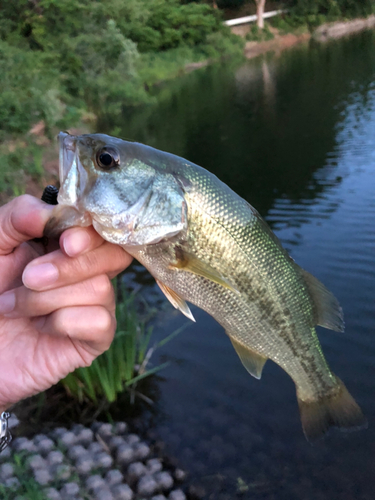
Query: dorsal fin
x=176, y=301
x=327, y=308
x=252, y=361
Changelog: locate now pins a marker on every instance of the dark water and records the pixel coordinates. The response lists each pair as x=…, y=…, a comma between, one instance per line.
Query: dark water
x=295, y=136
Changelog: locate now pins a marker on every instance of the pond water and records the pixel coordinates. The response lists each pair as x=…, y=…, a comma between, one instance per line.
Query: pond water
x=295, y=136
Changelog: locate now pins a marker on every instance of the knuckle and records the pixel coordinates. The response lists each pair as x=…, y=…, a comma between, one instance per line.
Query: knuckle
x=107, y=343
x=23, y=199
x=103, y=321
x=81, y=267
x=105, y=326
x=26, y=303
x=60, y=322
x=89, y=263
x=122, y=259
x=102, y=287
x=20, y=202
x=117, y=257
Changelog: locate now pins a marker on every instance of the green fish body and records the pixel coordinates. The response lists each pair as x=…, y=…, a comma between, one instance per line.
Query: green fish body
x=206, y=245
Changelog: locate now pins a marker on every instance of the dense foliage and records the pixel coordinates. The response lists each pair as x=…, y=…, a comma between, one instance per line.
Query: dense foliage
x=170, y=25
x=308, y=14
x=332, y=8
x=305, y=8
x=61, y=60
x=60, y=57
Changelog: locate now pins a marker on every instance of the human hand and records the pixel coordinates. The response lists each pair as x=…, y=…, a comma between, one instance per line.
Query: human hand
x=57, y=311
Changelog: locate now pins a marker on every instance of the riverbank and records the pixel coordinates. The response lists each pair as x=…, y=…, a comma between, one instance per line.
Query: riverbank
x=333, y=31
x=29, y=159
x=276, y=45
x=281, y=41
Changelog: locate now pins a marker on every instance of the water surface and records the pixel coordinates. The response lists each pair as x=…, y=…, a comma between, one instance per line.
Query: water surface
x=295, y=136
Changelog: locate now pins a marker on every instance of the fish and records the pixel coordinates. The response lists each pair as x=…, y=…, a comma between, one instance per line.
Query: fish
x=206, y=245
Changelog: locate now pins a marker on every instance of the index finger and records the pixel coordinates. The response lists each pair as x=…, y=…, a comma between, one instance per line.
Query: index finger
x=21, y=220
x=55, y=269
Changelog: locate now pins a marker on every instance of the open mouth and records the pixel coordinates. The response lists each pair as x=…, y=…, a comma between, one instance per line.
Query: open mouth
x=73, y=177
x=67, y=153
x=68, y=171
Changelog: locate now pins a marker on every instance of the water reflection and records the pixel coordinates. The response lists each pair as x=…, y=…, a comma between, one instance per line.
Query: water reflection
x=294, y=136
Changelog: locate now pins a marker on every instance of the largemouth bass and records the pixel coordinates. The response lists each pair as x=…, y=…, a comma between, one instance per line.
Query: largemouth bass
x=206, y=245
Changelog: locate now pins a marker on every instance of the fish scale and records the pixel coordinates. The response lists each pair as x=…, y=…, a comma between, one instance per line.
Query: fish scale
x=249, y=317
x=206, y=245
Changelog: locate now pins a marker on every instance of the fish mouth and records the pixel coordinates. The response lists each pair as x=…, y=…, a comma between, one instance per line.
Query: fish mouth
x=73, y=179
x=68, y=148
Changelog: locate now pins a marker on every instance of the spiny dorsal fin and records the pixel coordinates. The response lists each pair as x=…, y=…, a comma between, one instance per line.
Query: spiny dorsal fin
x=192, y=264
x=252, y=361
x=328, y=311
x=176, y=300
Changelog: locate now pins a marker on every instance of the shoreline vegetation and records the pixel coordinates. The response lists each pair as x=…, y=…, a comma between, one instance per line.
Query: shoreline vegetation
x=66, y=63
x=323, y=33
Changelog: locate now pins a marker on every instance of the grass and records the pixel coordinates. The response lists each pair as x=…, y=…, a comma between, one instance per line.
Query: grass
x=259, y=35
x=155, y=67
x=28, y=487
x=125, y=363
x=291, y=24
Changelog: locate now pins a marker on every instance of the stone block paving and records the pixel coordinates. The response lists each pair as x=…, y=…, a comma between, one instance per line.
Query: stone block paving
x=104, y=462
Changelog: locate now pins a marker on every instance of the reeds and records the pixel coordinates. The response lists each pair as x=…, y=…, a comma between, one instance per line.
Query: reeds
x=124, y=364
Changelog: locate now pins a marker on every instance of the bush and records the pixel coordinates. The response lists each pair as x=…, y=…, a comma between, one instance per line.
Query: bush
x=59, y=58
x=218, y=46
x=30, y=90
x=101, y=68
x=256, y=34
x=318, y=11
x=170, y=24
x=19, y=159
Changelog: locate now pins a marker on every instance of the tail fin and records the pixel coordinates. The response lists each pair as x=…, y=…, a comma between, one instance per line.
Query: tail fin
x=338, y=409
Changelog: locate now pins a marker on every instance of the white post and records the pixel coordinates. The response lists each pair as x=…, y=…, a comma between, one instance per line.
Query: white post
x=260, y=12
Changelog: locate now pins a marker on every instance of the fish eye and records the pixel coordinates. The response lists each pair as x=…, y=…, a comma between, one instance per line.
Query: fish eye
x=107, y=158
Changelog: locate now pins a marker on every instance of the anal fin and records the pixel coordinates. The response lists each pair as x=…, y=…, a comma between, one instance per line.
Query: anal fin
x=192, y=264
x=252, y=361
x=176, y=300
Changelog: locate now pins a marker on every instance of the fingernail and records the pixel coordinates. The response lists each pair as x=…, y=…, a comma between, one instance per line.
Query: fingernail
x=39, y=276
x=7, y=302
x=76, y=243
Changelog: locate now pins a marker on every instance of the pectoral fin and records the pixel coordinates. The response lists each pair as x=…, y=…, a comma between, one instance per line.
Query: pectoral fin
x=176, y=300
x=252, y=361
x=192, y=264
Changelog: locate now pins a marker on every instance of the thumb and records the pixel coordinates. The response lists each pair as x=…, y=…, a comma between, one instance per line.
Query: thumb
x=22, y=219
